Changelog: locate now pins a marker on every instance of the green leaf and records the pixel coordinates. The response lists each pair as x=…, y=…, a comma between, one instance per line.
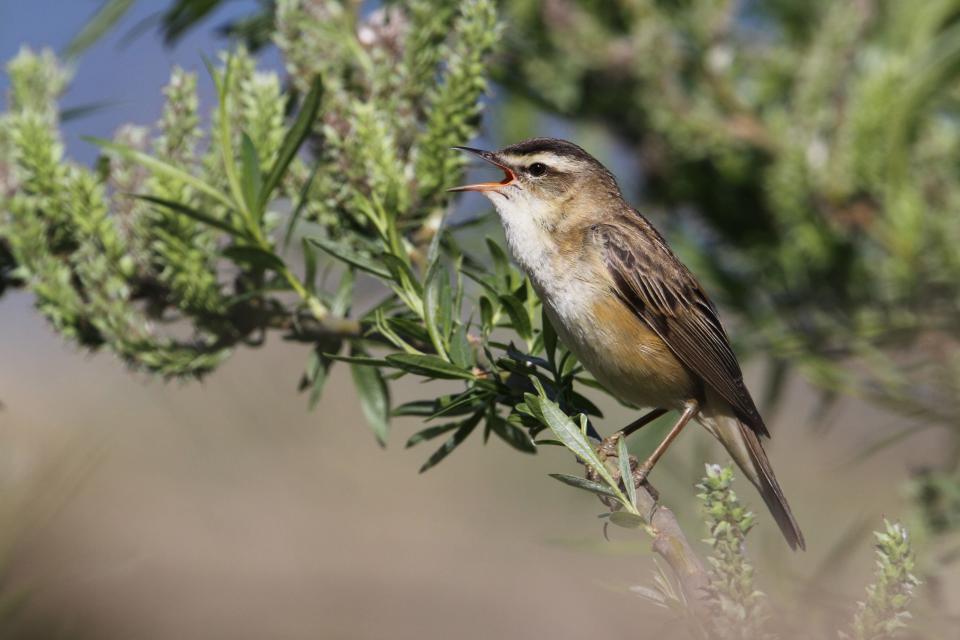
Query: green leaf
x=251, y=177
x=626, y=476
x=432, y=313
x=465, y=429
x=346, y=254
x=159, y=166
x=301, y=205
x=315, y=376
x=401, y=272
x=254, y=257
x=225, y=142
x=309, y=267
x=374, y=398
x=362, y=360
x=518, y=316
x=301, y=128
x=501, y=263
x=429, y=433
x=456, y=404
x=109, y=13
x=461, y=354
x=486, y=314
x=340, y=305
x=549, y=337
x=549, y=413
x=415, y=408
x=428, y=365
x=511, y=434
x=190, y=213
x=627, y=519
x=585, y=405
x=592, y=486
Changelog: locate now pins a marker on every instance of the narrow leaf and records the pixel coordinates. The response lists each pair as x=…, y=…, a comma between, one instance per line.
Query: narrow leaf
x=582, y=483
x=301, y=128
x=362, y=360
x=627, y=519
x=254, y=257
x=549, y=337
x=626, y=476
x=109, y=13
x=454, y=441
x=429, y=366
x=347, y=254
x=251, y=177
x=511, y=434
x=190, y=213
x=159, y=166
x=301, y=205
x=374, y=399
x=518, y=316
x=429, y=433
x=571, y=436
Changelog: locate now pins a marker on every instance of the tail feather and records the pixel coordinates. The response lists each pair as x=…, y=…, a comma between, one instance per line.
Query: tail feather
x=747, y=451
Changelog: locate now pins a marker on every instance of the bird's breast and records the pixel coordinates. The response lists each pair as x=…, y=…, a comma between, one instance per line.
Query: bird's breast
x=616, y=347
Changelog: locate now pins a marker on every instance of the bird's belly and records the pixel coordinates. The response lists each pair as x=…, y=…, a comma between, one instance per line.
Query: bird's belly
x=618, y=349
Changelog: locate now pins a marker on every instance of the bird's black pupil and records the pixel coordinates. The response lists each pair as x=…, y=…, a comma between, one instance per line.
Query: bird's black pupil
x=537, y=169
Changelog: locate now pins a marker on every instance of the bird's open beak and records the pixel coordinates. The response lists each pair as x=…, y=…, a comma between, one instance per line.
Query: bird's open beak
x=508, y=175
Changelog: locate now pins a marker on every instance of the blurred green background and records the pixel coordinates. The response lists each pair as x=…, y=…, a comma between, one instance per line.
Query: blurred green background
x=801, y=156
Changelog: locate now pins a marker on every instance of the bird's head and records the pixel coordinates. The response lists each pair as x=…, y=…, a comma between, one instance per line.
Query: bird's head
x=542, y=178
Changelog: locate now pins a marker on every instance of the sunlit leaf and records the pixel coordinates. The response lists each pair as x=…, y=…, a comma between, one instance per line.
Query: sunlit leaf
x=570, y=434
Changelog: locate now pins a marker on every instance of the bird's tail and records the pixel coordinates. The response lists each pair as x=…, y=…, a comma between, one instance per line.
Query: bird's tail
x=745, y=448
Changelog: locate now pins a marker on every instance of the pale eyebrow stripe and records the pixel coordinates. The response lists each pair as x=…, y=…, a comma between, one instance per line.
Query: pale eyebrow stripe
x=552, y=160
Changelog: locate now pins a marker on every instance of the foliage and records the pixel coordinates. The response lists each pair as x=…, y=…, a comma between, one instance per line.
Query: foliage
x=147, y=239
x=798, y=153
x=814, y=165
x=739, y=610
x=800, y=156
x=884, y=612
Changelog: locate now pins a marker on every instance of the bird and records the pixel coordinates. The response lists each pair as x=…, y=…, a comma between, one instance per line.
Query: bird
x=620, y=299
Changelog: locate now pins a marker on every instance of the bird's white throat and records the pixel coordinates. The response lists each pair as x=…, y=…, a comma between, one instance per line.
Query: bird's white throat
x=529, y=240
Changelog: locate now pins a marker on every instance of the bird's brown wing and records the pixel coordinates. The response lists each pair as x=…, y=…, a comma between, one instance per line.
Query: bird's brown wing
x=659, y=289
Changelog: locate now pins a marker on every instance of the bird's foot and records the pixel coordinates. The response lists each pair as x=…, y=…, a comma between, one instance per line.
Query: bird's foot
x=609, y=446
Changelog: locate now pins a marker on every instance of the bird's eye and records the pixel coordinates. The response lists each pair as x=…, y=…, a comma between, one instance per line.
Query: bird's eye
x=537, y=169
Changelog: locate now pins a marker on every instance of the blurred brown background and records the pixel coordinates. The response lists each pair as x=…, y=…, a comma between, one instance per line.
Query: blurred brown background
x=224, y=510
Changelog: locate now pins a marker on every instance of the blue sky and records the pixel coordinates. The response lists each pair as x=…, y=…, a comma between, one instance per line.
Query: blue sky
x=130, y=76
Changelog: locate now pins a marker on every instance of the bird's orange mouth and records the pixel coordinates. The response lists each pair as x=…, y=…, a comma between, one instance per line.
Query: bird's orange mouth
x=508, y=175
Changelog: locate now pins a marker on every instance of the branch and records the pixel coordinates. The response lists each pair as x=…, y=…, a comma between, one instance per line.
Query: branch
x=671, y=544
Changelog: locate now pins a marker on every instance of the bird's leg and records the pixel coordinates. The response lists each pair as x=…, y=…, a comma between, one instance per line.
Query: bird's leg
x=641, y=422
x=640, y=474
x=609, y=445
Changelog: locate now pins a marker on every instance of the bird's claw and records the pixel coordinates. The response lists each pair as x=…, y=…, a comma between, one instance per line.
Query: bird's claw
x=609, y=446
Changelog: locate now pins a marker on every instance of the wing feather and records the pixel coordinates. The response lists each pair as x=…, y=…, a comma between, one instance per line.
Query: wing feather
x=662, y=292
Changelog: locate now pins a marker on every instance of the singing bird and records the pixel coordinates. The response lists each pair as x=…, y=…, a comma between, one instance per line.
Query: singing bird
x=625, y=305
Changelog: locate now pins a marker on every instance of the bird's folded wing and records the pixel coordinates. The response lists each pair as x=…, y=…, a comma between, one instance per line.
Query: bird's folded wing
x=660, y=291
